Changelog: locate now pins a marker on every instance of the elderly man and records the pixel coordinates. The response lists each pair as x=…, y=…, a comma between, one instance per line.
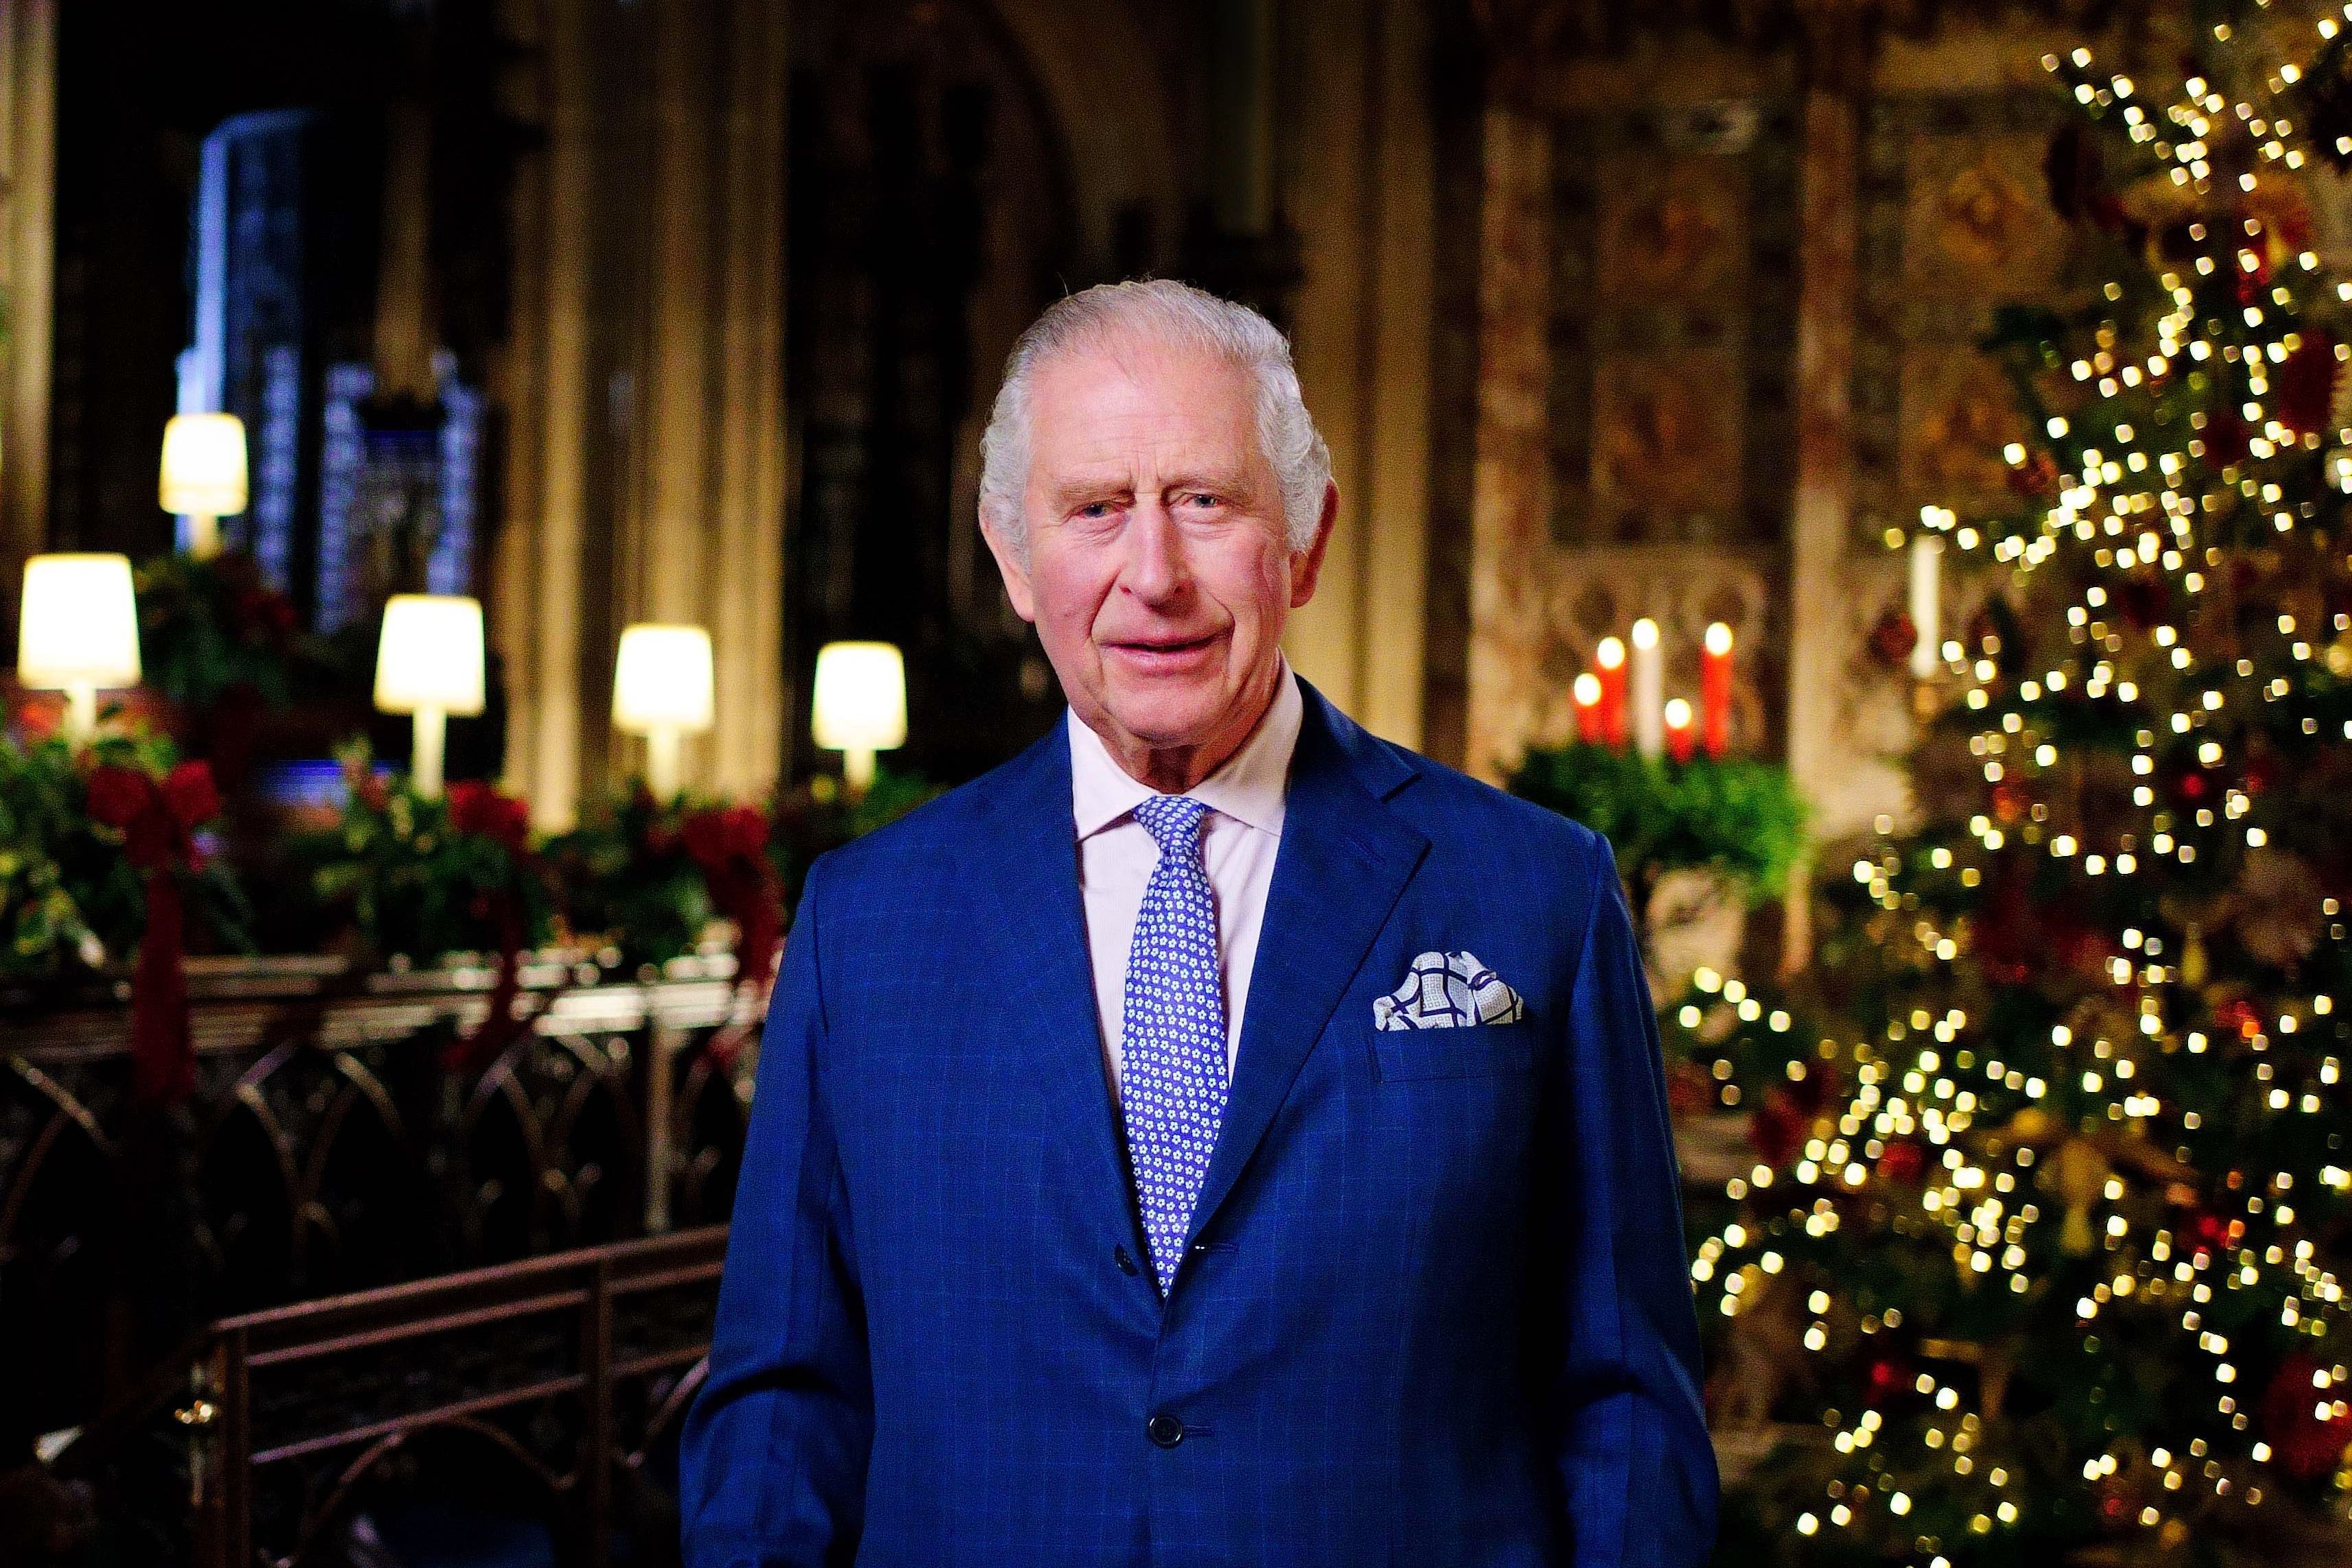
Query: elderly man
x=1217, y=1136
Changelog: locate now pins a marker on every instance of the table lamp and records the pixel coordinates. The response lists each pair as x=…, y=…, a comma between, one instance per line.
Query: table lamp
x=204, y=475
x=662, y=691
x=860, y=707
x=79, y=631
x=428, y=663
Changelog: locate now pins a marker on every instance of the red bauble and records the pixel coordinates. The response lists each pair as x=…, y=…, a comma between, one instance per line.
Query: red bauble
x=2304, y=389
x=2225, y=436
x=2036, y=478
x=1778, y=1129
x=1893, y=636
x=1904, y=1162
x=1814, y=1090
x=2306, y=1446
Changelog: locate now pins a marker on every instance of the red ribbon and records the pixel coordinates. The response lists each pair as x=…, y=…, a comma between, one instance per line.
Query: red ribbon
x=156, y=820
x=162, y=1051
x=479, y=807
x=478, y=1050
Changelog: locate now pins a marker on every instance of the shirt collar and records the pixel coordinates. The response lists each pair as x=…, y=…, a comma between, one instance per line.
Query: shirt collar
x=1252, y=786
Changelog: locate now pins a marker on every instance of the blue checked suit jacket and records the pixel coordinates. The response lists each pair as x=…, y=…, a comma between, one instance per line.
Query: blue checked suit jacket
x=1434, y=1311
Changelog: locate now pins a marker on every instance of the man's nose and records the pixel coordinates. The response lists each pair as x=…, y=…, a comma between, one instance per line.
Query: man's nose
x=1156, y=571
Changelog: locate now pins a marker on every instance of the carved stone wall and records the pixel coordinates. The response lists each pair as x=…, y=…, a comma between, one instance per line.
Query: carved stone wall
x=1730, y=289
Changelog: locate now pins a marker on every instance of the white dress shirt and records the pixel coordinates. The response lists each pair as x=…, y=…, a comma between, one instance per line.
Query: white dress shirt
x=1239, y=836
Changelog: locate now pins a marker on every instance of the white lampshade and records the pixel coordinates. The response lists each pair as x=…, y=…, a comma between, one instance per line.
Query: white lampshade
x=203, y=464
x=861, y=698
x=80, y=625
x=662, y=680
x=430, y=656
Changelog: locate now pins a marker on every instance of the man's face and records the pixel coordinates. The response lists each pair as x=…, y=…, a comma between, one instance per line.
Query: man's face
x=1155, y=569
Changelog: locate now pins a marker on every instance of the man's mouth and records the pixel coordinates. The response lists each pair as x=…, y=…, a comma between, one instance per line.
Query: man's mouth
x=1162, y=650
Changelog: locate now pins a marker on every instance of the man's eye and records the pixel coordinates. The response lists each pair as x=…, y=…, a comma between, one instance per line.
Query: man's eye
x=1202, y=498
x=1094, y=508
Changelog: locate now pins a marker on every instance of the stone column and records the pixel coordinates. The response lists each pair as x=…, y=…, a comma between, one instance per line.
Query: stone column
x=28, y=68
x=664, y=561
x=1242, y=127
x=705, y=544
x=1363, y=189
x=1828, y=238
x=1511, y=482
x=538, y=598
x=746, y=588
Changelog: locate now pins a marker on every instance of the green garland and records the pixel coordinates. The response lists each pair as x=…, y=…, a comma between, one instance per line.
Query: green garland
x=420, y=876
x=1737, y=816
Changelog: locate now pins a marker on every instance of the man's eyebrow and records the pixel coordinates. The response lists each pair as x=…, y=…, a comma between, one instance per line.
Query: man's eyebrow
x=1103, y=482
x=1222, y=479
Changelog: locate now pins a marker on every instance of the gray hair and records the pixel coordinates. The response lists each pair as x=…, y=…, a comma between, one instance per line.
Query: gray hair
x=1169, y=312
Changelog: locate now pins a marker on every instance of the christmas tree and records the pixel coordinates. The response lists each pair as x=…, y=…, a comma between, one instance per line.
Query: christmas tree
x=2046, y=1238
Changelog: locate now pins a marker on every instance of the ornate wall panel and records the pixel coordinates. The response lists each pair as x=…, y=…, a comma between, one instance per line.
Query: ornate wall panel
x=1656, y=287
x=1956, y=222
x=1673, y=276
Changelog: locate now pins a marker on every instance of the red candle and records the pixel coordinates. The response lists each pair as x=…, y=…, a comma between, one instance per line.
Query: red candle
x=1714, y=689
x=1588, y=709
x=1678, y=729
x=1610, y=659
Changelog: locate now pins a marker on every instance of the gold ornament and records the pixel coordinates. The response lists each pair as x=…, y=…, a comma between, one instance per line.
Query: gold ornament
x=2078, y=1174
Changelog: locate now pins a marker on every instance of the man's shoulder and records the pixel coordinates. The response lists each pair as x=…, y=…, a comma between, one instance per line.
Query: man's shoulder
x=942, y=832
x=1465, y=815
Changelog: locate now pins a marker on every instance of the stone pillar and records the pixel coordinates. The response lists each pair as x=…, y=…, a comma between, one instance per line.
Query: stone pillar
x=704, y=544
x=1240, y=243
x=538, y=591
x=28, y=68
x=663, y=561
x=746, y=587
x=1821, y=522
x=1511, y=483
x=1363, y=188
x=647, y=385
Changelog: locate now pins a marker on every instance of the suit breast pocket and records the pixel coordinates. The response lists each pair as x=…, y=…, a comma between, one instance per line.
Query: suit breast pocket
x=1485, y=1051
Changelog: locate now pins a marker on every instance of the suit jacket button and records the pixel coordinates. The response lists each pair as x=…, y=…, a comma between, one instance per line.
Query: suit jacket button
x=1126, y=1264
x=1165, y=1430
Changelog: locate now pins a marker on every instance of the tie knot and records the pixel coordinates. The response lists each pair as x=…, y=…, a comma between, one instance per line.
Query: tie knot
x=1174, y=821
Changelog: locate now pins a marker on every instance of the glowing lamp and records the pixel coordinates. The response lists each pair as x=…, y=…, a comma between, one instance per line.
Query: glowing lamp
x=79, y=631
x=860, y=707
x=662, y=691
x=204, y=475
x=428, y=664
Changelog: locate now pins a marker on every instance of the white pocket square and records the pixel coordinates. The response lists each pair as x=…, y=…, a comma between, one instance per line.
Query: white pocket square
x=1448, y=991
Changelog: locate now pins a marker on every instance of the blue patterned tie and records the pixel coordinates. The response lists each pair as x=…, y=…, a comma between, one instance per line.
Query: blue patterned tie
x=1172, y=1054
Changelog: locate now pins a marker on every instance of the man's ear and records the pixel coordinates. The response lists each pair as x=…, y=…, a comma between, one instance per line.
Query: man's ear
x=1013, y=564
x=1306, y=565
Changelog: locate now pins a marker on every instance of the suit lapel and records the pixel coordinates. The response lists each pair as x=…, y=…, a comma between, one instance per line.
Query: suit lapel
x=1344, y=860
x=1041, y=931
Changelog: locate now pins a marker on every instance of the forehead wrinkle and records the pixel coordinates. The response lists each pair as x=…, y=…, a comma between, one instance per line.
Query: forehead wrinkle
x=1122, y=437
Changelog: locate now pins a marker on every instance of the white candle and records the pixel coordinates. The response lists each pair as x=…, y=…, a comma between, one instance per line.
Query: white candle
x=1649, y=688
x=1926, y=604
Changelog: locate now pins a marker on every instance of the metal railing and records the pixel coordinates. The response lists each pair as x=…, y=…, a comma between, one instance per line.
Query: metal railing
x=555, y=1385
x=337, y=1142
